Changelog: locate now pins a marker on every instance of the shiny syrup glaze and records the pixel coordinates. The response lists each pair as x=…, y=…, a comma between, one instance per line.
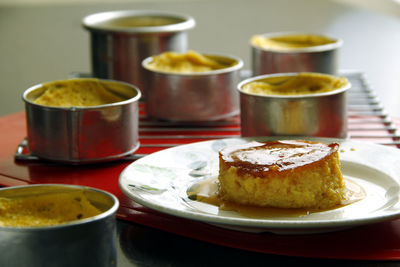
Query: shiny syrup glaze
x=256, y=158
x=206, y=191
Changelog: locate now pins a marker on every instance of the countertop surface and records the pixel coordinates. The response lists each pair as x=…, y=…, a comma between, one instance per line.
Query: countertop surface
x=47, y=42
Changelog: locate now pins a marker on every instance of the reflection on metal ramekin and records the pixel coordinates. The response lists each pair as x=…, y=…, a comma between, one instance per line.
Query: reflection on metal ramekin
x=191, y=97
x=319, y=114
x=78, y=135
x=117, y=48
x=319, y=58
x=86, y=242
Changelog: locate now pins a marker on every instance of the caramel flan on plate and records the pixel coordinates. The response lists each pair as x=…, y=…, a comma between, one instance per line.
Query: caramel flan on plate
x=283, y=174
x=273, y=184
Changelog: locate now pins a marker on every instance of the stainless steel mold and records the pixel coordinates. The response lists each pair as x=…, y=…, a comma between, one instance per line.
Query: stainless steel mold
x=86, y=242
x=83, y=134
x=193, y=97
x=321, y=114
x=118, y=51
x=321, y=58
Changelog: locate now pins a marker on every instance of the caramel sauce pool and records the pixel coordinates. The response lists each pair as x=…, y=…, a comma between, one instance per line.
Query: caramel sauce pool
x=206, y=191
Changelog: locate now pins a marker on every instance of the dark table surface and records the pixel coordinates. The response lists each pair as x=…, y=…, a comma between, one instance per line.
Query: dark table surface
x=143, y=246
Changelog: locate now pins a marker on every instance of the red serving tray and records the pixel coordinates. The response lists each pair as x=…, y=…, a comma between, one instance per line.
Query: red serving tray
x=379, y=241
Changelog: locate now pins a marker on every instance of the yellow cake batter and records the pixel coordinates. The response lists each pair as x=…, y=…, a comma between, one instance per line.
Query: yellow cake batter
x=188, y=62
x=294, y=41
x=76, y=93
x=45, y=209
x=301, y=84
x=139, y=21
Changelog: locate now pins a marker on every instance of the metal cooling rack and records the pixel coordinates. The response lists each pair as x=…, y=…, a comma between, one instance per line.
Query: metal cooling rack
x=367, y=121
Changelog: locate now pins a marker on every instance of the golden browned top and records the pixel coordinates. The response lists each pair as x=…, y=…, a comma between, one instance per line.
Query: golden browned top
x=300, y=84
x=255, y=157
x=188, y=62
x=46, y=209
x=291, y=41
x=76, y=93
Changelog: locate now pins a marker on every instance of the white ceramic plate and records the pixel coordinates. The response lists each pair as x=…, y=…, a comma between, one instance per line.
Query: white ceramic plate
x=160, y=181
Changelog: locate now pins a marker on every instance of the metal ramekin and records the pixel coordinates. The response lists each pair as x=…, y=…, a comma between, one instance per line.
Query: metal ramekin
x=320, y=115
x=117, y=52
x=83, y=134
x=193, y=97
x=86, y=242
x=321, y=58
